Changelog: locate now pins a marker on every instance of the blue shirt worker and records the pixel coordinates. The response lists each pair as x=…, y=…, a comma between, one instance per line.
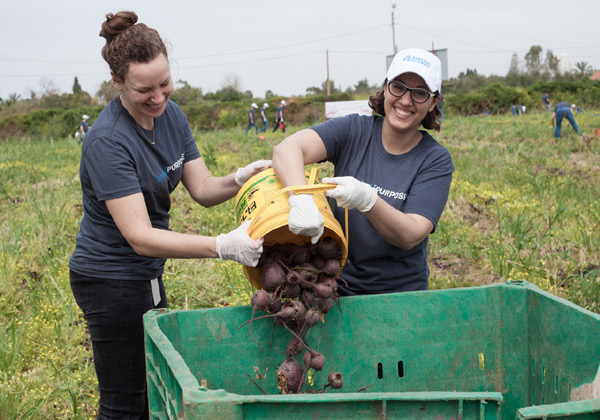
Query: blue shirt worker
x=263, y=117
x=83, y=127
x=139, y=149
x=393, y=178
x=563, y=110
x=252, y=119
x=279, y=120
x=546, y=101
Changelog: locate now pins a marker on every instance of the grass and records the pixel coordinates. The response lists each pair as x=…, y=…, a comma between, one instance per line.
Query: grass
x=523, y=205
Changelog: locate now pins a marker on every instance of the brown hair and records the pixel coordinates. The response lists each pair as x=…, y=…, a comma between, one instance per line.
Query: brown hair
x=430, y=122
x=127, y=42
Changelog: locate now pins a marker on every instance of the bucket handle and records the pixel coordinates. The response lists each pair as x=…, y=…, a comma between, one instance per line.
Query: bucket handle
x=298, y=189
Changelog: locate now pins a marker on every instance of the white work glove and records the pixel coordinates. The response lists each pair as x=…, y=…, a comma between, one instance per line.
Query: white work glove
x=350, y=193
x=244, y=174
x=238, y=246
x=305, y=217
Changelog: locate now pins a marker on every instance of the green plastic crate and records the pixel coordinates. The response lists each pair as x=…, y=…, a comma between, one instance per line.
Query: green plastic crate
x=505, y=351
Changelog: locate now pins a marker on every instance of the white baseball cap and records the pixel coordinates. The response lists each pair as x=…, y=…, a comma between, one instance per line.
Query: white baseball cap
x=266, y=105
x=254, y=105
x=421, y=62
x=282, y=102
x=85, y=117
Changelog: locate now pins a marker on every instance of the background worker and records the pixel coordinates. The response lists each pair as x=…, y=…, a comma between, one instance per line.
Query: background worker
x=546, y=101
x=136, y=153
x=83, y=127
x=393, y=178
x=252, y=119
x=279, y=120
x=263, y=117
x=563, y=110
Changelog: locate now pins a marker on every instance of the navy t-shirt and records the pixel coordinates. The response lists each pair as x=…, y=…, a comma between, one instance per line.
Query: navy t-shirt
x=415, y=182
x=117, y=160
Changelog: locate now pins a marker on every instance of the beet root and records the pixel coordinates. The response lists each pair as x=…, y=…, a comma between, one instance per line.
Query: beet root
x=314, y=360
x=328, y=248
x=289, y=376
x=335, y=380
x=272, y=276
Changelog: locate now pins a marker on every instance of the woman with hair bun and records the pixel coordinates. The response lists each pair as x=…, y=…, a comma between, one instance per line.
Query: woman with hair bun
x=393, y=177
x=133, y=157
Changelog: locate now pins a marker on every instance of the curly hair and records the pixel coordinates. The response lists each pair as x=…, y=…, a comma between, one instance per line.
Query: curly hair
x=127, y=42
x=430, y=122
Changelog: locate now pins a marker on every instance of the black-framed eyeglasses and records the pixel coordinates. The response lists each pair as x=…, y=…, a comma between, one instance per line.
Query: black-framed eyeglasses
x=398, y=89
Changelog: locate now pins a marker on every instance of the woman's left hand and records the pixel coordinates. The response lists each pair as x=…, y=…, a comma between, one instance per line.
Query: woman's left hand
x=244, y=174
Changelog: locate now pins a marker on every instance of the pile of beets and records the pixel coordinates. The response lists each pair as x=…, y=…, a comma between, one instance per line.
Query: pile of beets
x=300, y=287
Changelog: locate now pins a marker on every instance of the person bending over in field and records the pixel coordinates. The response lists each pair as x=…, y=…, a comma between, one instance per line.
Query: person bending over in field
x=393, y=177
x=133, y=157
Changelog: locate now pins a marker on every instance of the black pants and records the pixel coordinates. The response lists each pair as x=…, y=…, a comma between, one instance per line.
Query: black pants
x=113, y=310
x=277, y=123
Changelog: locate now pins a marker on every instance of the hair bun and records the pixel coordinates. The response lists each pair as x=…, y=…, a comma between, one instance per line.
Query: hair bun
x=115, y=24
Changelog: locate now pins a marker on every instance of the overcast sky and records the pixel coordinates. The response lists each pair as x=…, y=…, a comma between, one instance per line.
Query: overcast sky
x=281, y=45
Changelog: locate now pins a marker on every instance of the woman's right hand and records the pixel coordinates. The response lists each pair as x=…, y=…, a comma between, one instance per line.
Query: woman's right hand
x=305, y=217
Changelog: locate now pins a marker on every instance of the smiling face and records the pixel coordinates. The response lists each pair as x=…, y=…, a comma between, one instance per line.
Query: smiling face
x=403, y=114
x=146, y=90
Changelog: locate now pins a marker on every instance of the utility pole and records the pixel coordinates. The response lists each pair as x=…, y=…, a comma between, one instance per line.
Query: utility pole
x=395, y=50
x=328, y=88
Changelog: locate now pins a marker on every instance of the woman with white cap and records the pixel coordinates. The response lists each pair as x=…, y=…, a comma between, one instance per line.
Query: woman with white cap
x=393, y=177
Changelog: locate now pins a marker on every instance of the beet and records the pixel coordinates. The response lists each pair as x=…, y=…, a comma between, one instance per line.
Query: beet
x=312, y=317
x=325, y=305
x=318, y=262
x=328, y=248
x=331, y=281
x=308, y=298
x=323, y=290
x=331, y=267
x=335, y=380
x=272, y=276
x=291, y=290
x=260, y=300
x=289, y=376
x=294, y=348
x=314, y=360
x=274, y=304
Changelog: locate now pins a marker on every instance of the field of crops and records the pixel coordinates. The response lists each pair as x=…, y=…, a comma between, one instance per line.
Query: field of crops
x=523, y=205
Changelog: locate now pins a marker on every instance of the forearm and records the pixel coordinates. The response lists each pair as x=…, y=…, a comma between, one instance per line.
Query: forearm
x=403, y=230
x=160, y=243
x=215, y=190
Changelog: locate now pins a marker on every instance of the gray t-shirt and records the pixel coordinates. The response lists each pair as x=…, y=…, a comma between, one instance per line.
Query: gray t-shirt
x=117, y=160
x=414, y=182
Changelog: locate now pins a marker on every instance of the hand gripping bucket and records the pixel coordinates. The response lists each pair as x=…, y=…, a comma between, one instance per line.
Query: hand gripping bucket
x=264, y=200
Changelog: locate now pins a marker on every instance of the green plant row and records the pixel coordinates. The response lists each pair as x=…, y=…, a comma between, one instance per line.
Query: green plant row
x=498, y=98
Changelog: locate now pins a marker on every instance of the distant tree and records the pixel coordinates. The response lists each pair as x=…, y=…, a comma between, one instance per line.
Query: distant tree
x=313, y=90
x=551, y=63
x=232, y=81
x=186, y=94
x=363, y=87
x=76, y=87
x=13, y=98
x=106, y=92
x=533, y=60
x=514, y=64
x=584, y=68
x=48, y=87
x=269, y=95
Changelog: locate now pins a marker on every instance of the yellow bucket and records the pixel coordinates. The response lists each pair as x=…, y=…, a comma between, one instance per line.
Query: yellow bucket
x=264, y=200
